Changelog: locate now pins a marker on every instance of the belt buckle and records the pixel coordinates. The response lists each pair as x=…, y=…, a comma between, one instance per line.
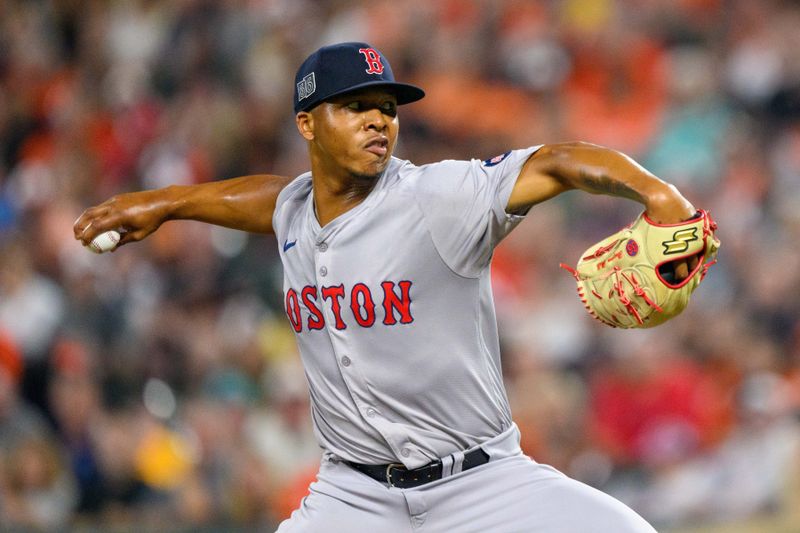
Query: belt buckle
x=389, y=472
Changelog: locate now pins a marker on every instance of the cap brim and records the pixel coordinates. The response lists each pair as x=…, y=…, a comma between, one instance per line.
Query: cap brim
x=404, y=92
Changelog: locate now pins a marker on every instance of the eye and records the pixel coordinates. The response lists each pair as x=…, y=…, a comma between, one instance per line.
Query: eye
x=354, y=106
x=389, y=108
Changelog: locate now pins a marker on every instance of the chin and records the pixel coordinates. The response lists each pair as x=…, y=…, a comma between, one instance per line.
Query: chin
x=370, y=172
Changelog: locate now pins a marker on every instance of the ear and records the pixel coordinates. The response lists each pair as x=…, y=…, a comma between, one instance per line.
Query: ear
x=305, y=125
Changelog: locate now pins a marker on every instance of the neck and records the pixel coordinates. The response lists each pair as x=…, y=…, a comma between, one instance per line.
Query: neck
x=336, y=196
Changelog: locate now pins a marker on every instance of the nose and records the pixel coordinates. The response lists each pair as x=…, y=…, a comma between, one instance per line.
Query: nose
x=374, y=119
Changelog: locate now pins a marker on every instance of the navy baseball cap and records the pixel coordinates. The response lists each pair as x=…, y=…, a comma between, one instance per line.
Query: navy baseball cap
x=344, y=67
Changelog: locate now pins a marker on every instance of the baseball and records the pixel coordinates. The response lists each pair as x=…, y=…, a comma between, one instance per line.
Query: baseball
x=105, y=242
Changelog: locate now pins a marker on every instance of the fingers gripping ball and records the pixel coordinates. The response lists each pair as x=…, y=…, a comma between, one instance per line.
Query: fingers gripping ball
x=626, y=279
x=105, y=242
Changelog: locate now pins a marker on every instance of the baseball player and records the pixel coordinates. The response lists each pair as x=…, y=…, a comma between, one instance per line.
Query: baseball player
x=387, y=287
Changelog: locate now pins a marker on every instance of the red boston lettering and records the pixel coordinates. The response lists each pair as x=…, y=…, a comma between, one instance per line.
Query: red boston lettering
x=396, y=305
x=335, y=294
x=293, y=310
x=361, y=299
x=315, y=318
x=392, y=302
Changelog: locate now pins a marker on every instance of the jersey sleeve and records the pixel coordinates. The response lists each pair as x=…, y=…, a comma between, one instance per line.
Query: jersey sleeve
x=464, y=207
x=289, y=198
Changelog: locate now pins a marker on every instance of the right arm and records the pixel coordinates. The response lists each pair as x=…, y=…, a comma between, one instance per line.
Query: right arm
x=246, y=203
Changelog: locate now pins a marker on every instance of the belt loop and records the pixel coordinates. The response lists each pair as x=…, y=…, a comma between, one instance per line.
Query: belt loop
x=447, y=466
x=458, y=461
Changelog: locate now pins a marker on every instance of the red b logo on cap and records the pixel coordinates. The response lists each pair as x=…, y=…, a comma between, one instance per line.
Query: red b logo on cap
x=373, y=60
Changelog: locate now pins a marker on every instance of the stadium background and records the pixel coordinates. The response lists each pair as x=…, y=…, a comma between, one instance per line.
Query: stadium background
x=158, y=388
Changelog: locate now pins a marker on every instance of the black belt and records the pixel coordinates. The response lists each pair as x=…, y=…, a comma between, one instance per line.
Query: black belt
x=397, y=475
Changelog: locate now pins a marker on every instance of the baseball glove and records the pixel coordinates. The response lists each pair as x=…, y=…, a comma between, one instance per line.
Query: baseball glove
x=627, y=279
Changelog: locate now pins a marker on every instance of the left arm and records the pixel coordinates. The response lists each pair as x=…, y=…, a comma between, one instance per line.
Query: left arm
x=556, y=168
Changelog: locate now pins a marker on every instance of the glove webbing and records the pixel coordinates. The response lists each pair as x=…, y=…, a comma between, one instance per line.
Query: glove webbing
x=623, y=298
x=638, y=289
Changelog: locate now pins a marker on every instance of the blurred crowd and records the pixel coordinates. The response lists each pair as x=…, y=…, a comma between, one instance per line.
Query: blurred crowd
x=159, y=386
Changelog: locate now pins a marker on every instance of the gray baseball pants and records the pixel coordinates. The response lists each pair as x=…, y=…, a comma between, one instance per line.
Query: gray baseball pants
x=509, y=494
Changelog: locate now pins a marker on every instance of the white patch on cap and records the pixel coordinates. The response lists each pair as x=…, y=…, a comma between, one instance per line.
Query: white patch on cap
x=306, y=86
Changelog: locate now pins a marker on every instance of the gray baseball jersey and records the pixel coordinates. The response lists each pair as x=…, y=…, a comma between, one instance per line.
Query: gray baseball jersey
x=392, y=307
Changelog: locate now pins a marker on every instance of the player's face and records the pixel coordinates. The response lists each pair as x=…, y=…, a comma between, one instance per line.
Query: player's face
x=354, y=134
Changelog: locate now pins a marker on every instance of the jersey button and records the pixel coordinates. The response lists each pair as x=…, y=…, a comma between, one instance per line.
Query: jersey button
x=323, y=247
x=405, y=452
x=371, y=412
x=345, y=361
x=323, y=271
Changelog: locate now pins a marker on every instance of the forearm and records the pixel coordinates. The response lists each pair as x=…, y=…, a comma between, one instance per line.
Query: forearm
x=599, y=170
x=244, y=203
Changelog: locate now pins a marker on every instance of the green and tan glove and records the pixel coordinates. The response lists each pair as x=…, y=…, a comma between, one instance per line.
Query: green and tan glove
x=627, y=279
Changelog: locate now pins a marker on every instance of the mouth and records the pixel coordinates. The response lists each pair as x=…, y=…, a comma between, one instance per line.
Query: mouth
x=378, y=146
